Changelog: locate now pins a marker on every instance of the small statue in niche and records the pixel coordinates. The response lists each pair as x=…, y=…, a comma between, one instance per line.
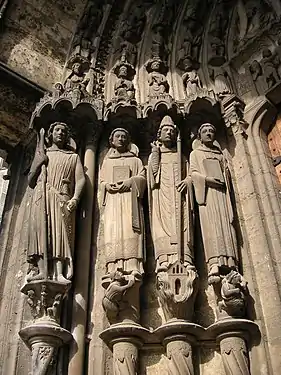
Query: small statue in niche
x=190, y=78
x=217, y=39
x=124, y=88
x=123, y=182
x=158, y=43
x=169, y=189
x=269, y=70
x=78, y=79
x=158, y=84
x=221, y=81
x=114, y=293
x=212, y=185
x=57, y=177
x=234, y=292
x=258, y=78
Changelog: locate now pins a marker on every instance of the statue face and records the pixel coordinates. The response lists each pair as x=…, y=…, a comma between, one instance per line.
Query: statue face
x=207, y=135
x=155, y=65
x=168, y=135
x=59, y=135
x=123, y=71
x=76, y=68
x=120, y=141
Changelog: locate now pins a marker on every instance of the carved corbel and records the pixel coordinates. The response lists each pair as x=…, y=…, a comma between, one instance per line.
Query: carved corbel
x=43, y=334
x=177, y=288
x=233, y=115
x=121, y=299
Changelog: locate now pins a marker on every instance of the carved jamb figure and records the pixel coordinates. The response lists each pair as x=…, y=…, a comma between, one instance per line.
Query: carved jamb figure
x=57, y=177
x=124, y=88
x=211, y=180
x=114, y=293
x=78, y=79
x=123, y=182
x=158, y=84
x=170, y=195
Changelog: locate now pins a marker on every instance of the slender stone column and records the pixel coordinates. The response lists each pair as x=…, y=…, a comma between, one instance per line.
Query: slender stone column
x=80, y=302
x=125, y=355
x=234, y=353
x=179, y=354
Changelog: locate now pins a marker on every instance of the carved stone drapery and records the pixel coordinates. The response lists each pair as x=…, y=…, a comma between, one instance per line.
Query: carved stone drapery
x=234, y=354
x=179, y=356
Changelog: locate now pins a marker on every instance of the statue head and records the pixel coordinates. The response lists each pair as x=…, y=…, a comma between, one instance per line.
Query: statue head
x=255, y=68
x=123, y=71
x=207, y=133
x=167, y=132
x=233, y=277
x=120, y=139
x=59, y=134
x=155, y=66
x=77, y=68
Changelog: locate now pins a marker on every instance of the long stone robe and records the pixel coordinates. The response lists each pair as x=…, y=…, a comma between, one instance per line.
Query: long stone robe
x=164, y=204
x=215, y=207
x=123, y=214
x=60, y=222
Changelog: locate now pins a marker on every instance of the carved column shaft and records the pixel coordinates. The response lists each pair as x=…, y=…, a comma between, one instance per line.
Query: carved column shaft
x=234, y=354
x=125, y=356
x=179, y=355
x=80, y=301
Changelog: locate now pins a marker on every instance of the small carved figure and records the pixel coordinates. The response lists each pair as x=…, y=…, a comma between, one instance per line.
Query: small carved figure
x=257, y=75
x=190, y=78
x=123, y=182
x=54, y=311
x=124, y=88
x=234, y=292
x=78, y=80
x=57, y=177
x=158, y=84
x=112, y=299
x=211, y=180
x=269, y=70
x=221, y=81
x=169, y=194
x=158, y=43
x=33, y=303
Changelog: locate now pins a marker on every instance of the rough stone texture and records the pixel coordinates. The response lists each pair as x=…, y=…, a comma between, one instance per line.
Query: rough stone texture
x=37, y=36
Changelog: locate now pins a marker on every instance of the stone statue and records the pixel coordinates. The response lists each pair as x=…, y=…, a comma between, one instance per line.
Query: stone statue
x=158, y=84
x=124, y=88
x=257, y=75
x=234, y=292
x=78, y=79
x=112, y=299
x=170, y=195
x=211, y=180
x=190, y=78
x=57, y=177
x=123, y=182
x=221, y=81
x=269, y=70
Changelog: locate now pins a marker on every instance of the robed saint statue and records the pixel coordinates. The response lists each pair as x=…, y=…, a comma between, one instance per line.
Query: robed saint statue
x=212, y=185
x=123, y=182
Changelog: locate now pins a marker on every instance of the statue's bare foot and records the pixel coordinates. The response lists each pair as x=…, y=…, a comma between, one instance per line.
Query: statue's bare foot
x=38, y=276
x=62, y=279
